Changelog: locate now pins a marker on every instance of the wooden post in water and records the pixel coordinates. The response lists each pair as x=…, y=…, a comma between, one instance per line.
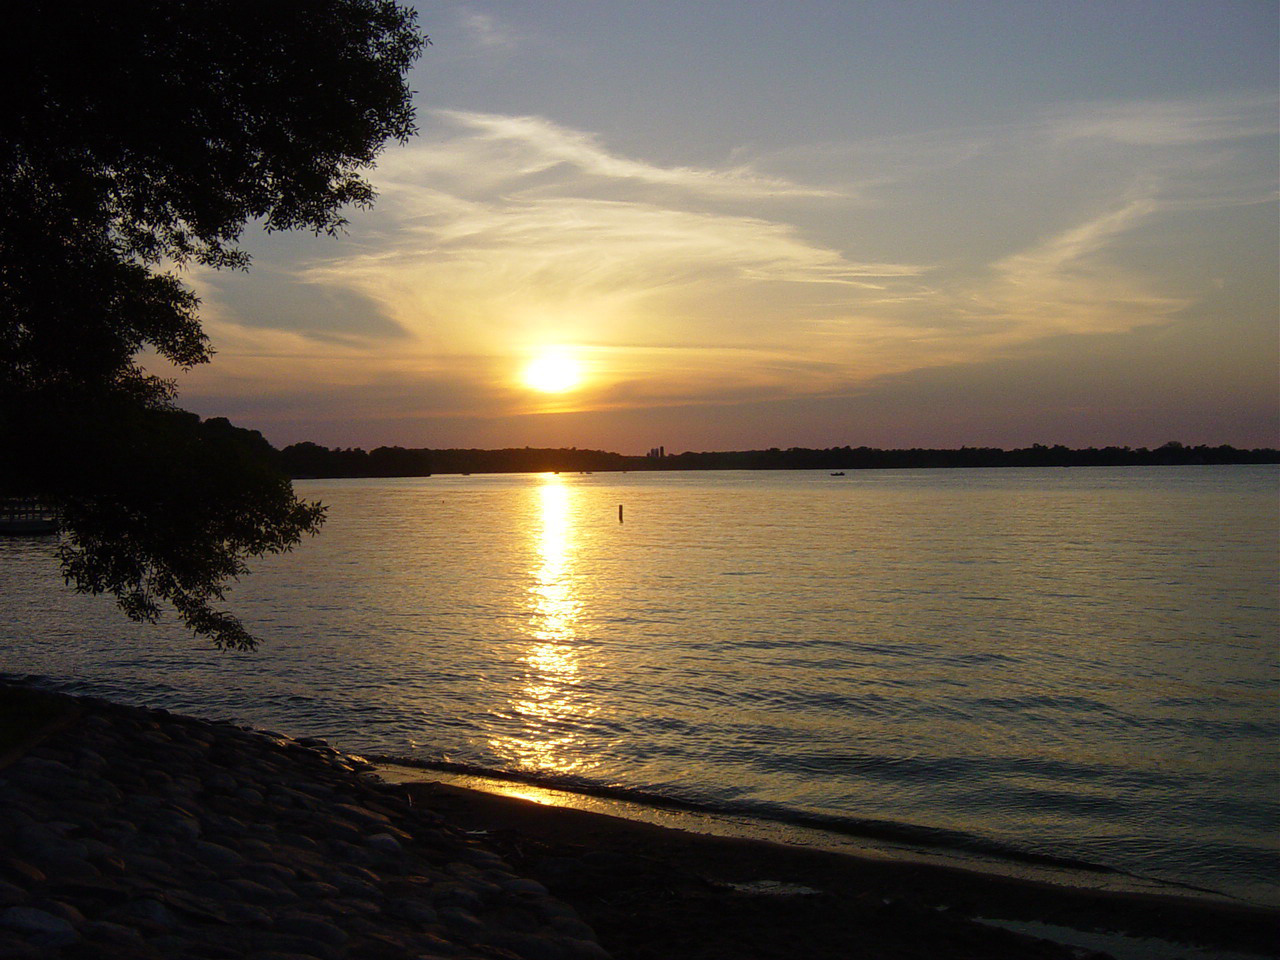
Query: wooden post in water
x=619, y=513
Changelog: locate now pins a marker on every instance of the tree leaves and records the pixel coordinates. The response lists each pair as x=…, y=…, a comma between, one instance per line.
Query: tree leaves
x=140, y=132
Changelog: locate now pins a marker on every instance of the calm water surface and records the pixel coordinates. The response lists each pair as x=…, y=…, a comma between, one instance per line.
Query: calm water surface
x=1077, y=663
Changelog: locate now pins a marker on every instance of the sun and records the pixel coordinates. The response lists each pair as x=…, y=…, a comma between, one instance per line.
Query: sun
x=553, y=372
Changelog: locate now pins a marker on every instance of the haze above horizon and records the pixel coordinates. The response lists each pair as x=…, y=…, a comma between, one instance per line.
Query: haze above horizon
x=747, y=225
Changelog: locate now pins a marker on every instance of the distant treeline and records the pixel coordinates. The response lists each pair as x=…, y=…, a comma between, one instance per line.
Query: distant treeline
x=312, y=460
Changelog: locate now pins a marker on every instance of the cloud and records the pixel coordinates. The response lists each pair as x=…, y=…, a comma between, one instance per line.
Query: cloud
x=522, y=146
x=1069, y=284
x=1169, y=123
x=496, y=234
x=487, y=32
x=514, y=230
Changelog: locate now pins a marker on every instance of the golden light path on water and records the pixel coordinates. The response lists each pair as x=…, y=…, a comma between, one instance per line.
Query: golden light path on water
x=547, y=705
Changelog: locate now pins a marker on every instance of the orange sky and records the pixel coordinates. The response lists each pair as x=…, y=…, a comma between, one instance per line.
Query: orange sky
x=872, y=225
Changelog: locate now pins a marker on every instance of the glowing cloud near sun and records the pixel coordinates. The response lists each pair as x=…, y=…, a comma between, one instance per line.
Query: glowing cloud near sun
x=554, y=371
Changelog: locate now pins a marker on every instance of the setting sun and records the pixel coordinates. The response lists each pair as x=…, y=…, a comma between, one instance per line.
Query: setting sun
x=553, y=373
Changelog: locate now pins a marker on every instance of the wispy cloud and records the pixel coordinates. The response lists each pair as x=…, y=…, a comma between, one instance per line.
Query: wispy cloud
x=526, y=145
x=1169, y=123
x=1070, y=284
x=688, y=284
x=487, y=31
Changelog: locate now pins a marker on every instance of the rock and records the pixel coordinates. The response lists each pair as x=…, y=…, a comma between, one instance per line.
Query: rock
x=98, y=850
x=267, y=872
x=573, y=928
x=65, y=867
x=39, y=927
x=338, y=829
x=586, y=950
x=147, y=914
x=176, y=945
x=299, y=841
x=153, y=868
x=249, y=795
x=354, y=886
x=289, y=797
x=59, y=909
x=288, y=943
x=525, y=887
x=366, y=908
x=351, y=853
x=174, y=824
x=456, y=895
x=43, y=842
x=246, y=913
x=21, y=872
x=33, y=766
x=312, y=928
x=462, y=869
x=14, y=947
x=216, y=855
x=90, y=760
x=220, y=781
x=104, y=931
x=526, y=946
x=320, y=791
x=256, y=849
x=316, y=890
x=117, y=829
x=413, y=910
x=485, y=859
x=455, y=918
x=255, y=892
x=362, y=815
x=206, y=842
x=385, y=843
x=189, y=904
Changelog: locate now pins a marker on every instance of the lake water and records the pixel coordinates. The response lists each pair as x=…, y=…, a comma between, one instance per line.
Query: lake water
x=1078, y=663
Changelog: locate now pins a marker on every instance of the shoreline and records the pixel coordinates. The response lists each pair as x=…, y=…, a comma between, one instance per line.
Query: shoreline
x=876, y=841
x=144, y=835
x=1139, y=920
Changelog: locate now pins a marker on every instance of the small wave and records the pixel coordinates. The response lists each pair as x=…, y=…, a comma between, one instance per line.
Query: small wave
x=914, y=835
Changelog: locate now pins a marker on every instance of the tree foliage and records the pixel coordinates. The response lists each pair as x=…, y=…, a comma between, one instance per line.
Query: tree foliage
x=136, y=136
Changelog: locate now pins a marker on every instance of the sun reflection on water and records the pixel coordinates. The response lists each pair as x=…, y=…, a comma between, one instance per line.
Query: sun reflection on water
x=549, y=706
x=556, y=608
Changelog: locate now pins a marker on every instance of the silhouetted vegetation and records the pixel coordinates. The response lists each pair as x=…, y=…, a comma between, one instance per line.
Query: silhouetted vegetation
x=313, y=460
x=137, y=135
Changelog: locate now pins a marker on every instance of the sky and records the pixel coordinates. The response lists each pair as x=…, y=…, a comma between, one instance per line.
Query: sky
x=735, y=225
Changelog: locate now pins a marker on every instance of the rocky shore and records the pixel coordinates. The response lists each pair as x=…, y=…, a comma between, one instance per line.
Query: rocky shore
x=135, y=834
x=141, y=835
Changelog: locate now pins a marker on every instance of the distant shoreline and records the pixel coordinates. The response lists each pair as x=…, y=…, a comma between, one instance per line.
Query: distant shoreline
x=312, y=461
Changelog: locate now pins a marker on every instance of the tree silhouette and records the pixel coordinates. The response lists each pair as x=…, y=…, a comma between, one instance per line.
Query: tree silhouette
x=138, y=135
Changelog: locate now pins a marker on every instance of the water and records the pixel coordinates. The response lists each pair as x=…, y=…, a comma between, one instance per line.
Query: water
x=1077, y=664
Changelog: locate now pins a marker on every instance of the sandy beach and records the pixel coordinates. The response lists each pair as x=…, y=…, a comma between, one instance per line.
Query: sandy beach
x=652, y=891
x=134, y=833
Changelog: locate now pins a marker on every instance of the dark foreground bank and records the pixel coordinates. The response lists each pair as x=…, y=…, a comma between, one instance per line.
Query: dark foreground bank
x=128, y=833
x=653, y=892
x=138, y=834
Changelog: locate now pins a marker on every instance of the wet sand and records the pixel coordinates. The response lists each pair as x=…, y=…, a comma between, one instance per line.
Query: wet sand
x=654, y=892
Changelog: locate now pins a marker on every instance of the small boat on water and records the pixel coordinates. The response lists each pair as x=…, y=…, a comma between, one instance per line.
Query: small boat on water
x=26, y=517
x=839, y=473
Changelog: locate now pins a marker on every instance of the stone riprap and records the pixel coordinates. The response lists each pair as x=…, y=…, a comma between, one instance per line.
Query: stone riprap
x=140, y=834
